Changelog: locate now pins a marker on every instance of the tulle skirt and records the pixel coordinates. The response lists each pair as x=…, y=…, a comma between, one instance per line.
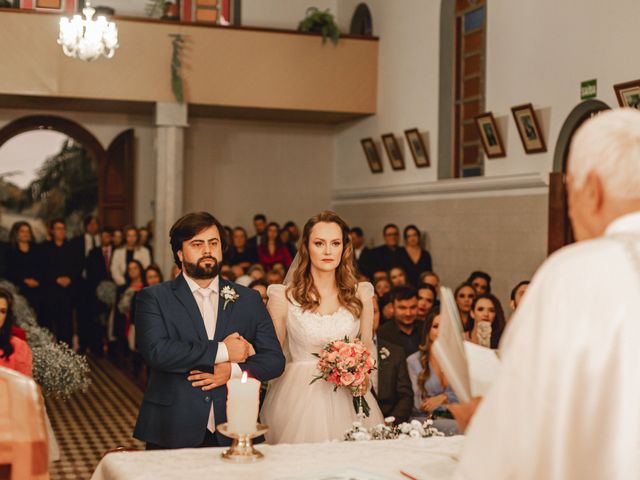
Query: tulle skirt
x=297, y=412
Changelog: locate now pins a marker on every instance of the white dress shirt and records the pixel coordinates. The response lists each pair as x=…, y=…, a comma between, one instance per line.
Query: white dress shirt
x=566, y=403
x=210, y=319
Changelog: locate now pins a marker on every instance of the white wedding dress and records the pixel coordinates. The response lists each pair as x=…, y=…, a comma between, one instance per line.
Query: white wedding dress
x=294, y=410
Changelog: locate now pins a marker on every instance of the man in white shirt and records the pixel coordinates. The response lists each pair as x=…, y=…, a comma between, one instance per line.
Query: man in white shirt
x=566, y=404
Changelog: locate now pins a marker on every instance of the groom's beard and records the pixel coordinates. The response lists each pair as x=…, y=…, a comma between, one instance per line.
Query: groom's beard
x=200, y=271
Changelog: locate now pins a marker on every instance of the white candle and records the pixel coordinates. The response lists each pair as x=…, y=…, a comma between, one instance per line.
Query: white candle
x=243, y=402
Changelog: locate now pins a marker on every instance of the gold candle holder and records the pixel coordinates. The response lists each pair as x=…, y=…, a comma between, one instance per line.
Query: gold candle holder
x=242, y=450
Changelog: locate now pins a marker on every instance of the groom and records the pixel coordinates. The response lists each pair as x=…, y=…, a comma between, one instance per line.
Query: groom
x=195, y=333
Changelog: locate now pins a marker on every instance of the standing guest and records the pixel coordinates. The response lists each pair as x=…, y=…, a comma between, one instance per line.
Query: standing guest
x=432, y=279
x=431, y=389
x=272, y=250
x=464, y=296
x=153, y=275
x=480, y=281
x=24, y=266
x=4, y=251
x=390, y=381
x=135, y=281
x=260, y=286
x=517, y=293
x=118, y=238
x=130, y=251
x=382, y=286
x=488, y=321
x=385, y=305
x=260, y=225
x=241, y=253
x=362, y=255
x=426, y=300
x=99, y=270
x=405, y=329
x=61, y=273
x=413, y=258
x=145, y=240
x=14, y=351
x=85, y=295
x=387, y=255
x=294, y=231
x=398, y=277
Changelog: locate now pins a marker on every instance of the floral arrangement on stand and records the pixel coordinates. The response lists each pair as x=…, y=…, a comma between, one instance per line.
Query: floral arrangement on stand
x=58, y=370
x=389, y=431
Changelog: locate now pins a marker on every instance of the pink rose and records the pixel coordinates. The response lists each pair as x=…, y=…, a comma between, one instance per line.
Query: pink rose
x=347, y=379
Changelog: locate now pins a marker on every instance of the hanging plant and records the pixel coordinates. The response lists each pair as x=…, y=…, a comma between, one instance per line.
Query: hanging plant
x=322, y=22
x=176, y=66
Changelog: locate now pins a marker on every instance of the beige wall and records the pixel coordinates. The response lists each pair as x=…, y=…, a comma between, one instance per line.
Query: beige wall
x=105, y=127
x=237, y=168
x=505, y=236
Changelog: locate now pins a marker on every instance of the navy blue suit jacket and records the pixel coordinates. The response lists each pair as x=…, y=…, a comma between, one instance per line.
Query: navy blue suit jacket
x=172, y=339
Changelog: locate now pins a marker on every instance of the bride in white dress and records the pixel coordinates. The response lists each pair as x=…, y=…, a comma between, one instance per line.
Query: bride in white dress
x=323, y=302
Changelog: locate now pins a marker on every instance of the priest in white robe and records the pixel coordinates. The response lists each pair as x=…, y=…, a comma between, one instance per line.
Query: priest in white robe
x=566, y=404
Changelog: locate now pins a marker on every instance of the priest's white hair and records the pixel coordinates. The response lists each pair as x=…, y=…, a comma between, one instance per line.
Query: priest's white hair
x=609, y=145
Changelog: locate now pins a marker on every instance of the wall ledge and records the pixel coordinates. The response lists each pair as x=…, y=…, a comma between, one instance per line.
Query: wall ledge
x=507, y=185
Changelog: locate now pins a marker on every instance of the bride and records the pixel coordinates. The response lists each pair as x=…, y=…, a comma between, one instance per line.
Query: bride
x=323, y=302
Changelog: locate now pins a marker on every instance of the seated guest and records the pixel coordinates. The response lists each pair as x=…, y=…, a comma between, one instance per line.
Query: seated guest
x=413, y=258
x=480, y=281
x=274, y=277
x=240, y=252
x=518, y=292
x=404, y=330
x=431, y=278
x=362, y=256
x=387, y=255
x=272, y=250
x=285, y=239
x=464, y=296
x=390, y=381
x=130, y=251
x=488, y=321
x=431, y=389
x=24, y=266
x=382, y=286
x=256, y=272
x=153, y=275
x=426, y=300
x=385, y=306
x=145, y=240
x=260, y=286
x=398, y=277
x=14, y=351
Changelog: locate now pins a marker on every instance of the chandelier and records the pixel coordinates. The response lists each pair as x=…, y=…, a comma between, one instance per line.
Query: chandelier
x=87, y=38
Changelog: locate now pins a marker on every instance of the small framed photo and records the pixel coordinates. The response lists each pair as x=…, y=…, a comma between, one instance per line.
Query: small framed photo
x=628, y=94
x=48, y=4
x=490, y=136
x=393, y=151
x=529, y=128
x=373, y=157
x=417, y=147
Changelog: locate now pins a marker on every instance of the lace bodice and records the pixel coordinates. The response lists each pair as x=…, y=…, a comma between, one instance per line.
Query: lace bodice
x=308, y=332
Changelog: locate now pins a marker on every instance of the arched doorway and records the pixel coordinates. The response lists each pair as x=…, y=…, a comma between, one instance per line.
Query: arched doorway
x=560, y=232
x=115, y=165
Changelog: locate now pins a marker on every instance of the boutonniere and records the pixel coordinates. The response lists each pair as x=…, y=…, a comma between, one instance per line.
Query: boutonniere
x=384, y=353
x=229, y=295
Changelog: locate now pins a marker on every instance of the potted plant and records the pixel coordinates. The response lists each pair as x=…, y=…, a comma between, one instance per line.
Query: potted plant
x=316, y=21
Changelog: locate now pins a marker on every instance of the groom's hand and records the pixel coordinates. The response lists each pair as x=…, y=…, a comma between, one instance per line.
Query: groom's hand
x=237, y=347
x=209, y=381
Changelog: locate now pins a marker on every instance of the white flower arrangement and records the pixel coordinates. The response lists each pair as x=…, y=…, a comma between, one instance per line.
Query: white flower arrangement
x=229, y=295
x=389, y=431
x=384, y=353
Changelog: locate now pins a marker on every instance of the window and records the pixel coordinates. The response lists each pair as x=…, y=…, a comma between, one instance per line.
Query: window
x=469, y=86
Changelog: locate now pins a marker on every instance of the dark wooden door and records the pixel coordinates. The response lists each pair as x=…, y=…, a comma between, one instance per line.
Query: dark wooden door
x=117, y=182
x=560, y=232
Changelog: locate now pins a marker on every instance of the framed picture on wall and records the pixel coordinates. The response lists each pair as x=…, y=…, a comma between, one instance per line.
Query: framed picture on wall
x=529, y=128
x=417, y=147
x=393, y=151
x=490, y=136
x=628, y=94
x=373, y=157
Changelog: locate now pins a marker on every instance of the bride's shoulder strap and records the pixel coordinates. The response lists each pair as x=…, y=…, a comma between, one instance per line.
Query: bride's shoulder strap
x=278, y=308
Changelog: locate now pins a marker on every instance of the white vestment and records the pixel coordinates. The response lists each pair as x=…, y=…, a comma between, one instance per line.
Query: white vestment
x=566, y=403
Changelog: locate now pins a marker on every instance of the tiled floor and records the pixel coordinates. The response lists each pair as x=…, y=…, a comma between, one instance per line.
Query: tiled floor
x=89, y=424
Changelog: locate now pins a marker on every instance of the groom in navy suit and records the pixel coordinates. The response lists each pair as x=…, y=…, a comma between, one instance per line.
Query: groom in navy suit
x=195, y=333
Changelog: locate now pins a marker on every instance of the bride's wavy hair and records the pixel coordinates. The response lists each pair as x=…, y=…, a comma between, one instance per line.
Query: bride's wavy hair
x=302, y=288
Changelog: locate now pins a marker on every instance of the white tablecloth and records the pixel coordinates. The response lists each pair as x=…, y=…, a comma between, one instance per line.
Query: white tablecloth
x=430, y=458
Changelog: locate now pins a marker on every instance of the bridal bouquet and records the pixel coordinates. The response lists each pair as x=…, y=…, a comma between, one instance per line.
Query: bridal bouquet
x=348, y=364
